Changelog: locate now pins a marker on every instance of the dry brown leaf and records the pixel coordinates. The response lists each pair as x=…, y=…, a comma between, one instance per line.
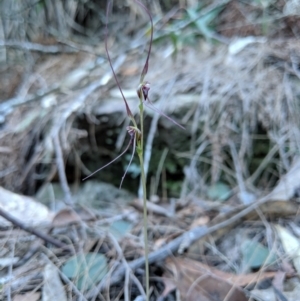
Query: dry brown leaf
x=238, y=280
x=65, y=217
x=169, y=286
x=159, y=243
x=196, y=281
x=247, y=279
x=201, y=221
x=31, y=296
x=280, y=208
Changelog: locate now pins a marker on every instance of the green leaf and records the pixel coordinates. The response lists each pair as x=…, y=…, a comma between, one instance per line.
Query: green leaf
x=86, y=269
x=255, y=254
x=119, y=228
x=203, y=22
x=219, y=191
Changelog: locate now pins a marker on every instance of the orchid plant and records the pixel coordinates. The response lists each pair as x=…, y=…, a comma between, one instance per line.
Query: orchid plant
x=136, y=133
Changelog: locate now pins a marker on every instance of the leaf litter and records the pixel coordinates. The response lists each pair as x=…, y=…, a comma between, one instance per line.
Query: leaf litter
x=250, y=102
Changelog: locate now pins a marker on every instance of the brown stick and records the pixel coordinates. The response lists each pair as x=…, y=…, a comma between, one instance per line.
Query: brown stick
x=35, y=232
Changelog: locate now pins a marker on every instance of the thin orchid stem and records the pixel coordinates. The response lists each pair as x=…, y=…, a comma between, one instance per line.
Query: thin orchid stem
x=145, y=216
x=126, y=149
x=137, y=136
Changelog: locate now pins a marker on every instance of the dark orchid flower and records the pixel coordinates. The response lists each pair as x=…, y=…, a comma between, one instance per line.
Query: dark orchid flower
x=143, y=92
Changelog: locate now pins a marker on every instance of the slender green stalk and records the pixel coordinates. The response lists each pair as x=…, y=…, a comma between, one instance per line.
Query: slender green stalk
x=140, y=151
x=136, y=134
x=145, y=226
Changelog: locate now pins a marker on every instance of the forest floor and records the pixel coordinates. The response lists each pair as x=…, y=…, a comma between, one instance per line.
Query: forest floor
x=224, y=193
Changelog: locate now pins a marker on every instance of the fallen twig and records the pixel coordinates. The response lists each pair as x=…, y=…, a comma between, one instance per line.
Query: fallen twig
x=53, y=49
x=61, y=171
x=35, y=232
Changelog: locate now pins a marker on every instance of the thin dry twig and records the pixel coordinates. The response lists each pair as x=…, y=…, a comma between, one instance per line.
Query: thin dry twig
x=159, y=169
x=191, y=174
x=200, y=107
x=28, y=46
x=10, y=269
x=61, y=171
x=34, y=231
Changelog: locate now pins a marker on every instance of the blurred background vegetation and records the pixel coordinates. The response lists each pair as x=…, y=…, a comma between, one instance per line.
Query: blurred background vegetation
x=29, y=28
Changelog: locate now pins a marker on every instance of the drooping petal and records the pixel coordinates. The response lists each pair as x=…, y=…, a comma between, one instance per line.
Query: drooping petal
x=145, y=69
x=132, y=155
x=151, y=106
x=115, y=159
